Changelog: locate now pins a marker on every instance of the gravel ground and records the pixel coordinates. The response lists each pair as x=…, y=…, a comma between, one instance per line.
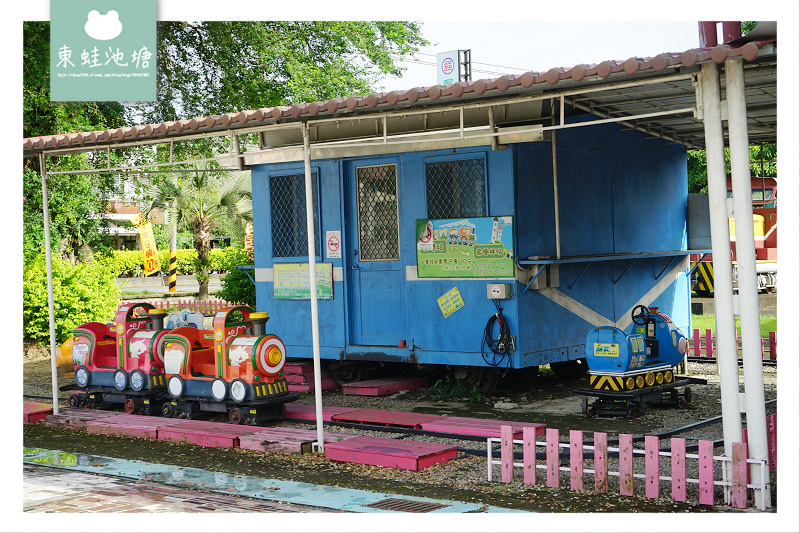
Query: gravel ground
x=549, y=401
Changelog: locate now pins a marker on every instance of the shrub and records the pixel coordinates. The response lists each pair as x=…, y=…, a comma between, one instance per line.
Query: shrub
x=236, y=285
x=129, y=262
x=86, y=292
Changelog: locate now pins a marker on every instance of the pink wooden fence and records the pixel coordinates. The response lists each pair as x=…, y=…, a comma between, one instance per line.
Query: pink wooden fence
x=677, y=482
x=206, y=307
x=703, y=345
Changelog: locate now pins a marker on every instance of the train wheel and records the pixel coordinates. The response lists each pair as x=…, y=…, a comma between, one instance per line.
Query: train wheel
x=219, y=389
x=120, y=380
x=81, y=377
x=137, y=380
x=168, y=409
x=235, y=416
x=129, y=407
x=175, y=386
x=74, y=400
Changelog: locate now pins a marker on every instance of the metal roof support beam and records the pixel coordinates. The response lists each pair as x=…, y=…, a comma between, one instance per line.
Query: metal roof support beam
x=50, y=299
x=727, y=356
x=746, y=263
x=312, y=285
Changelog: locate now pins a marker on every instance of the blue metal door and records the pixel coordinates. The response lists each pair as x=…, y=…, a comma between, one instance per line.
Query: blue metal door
x=376, y=273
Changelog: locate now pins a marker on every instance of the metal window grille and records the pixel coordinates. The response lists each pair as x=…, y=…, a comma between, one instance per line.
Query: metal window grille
x=288, y=209
x=456, y=188
x=378, y=228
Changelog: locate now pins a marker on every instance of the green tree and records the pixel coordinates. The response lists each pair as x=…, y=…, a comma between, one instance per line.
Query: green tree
x=763, y=162
x=216, y=67
x=200, y=201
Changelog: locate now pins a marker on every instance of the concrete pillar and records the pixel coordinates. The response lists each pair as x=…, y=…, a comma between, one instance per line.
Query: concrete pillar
x=727, y=357
x=50, y=299
x=746, y=263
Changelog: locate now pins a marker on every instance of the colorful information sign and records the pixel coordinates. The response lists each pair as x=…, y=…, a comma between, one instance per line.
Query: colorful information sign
x=450, y=302
x=149, y=252
x=291, y=281
x=465, y=248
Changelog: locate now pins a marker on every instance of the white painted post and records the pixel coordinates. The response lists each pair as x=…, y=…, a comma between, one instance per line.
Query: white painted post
x=746, y=262
x=50, y=299
x=727, y=358
x=312, y=280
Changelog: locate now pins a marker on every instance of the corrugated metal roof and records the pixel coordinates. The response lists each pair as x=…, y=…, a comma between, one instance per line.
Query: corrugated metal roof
x=579, y=75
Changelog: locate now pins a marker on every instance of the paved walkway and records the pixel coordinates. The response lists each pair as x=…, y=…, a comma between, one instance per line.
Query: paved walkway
x=53, y=490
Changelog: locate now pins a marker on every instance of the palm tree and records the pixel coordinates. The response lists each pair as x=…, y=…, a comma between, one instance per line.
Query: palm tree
x=197, y=201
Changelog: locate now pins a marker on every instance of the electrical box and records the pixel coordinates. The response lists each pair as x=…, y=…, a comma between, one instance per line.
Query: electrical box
x=498, y=291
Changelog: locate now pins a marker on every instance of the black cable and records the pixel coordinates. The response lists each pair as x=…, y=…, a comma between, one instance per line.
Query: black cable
x=499, y=347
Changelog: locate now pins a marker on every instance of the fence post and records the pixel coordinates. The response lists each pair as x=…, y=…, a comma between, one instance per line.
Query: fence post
x=773, y=434
x=709, y=344
x=678, y=448
x=529, y=455
x=773, y=346
x=651, y=466
x=601, y=462
x=576, y=460
x=705, y=449
x=626, y=464
x=551, y=437
x=696, y=342
x=506, y=454
x=739, y=482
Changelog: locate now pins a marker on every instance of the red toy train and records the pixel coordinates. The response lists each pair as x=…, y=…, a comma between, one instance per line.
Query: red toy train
x=235, y=368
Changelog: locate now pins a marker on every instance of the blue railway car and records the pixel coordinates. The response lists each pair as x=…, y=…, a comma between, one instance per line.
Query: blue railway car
x=486, y=259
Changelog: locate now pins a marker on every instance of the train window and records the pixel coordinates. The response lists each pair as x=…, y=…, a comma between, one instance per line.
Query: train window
x=456, y=188
x=288, y=215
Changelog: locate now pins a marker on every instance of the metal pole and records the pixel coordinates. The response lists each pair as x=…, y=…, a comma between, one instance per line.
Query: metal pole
x=556, y=216
x=312, y=280
x=50, y=300
x=727, y=358
x=746, y=261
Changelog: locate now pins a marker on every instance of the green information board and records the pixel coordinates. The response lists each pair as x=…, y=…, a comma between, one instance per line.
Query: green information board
x=465, y=248
x=291, y=281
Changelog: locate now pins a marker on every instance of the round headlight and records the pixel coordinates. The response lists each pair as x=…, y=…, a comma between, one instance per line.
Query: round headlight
x=275, y=356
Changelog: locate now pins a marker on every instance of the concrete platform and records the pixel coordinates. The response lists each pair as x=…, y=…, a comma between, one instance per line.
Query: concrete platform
x=128, y=425
x=76, y=418
x=35, y=411
x=479, y=427
x=287, y=440
x=301, y=411
x=208, y=434
x=392, y=453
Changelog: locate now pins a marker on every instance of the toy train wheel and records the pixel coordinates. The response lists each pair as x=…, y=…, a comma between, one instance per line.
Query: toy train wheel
x=235, y=416
x=137, y=380
x=81, y=377
x=219, y=389
x=175, y=386
x=687, y=395
x=74, y=400
x=168, y=410
x=120, y=380
x=238, y=390
x=130, y=406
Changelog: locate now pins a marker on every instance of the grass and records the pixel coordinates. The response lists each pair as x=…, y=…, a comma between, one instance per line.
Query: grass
x=704, y=322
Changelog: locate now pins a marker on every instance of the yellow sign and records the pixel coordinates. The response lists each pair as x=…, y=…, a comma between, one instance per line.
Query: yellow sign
x=149, y=252
x=606, y=349
x=450, y=302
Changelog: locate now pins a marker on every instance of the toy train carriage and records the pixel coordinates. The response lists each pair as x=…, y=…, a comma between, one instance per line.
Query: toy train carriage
x=124, y=356
x=235, y=363
x=620, y=361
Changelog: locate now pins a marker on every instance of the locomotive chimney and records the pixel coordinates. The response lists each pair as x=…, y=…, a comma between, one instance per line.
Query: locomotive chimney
x=258, y=320
x=157, y=317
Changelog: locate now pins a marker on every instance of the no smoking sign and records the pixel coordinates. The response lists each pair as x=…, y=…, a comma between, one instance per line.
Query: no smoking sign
x=333, y=244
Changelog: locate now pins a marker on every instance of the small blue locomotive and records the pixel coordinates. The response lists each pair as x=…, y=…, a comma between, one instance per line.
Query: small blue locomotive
x=637, y=365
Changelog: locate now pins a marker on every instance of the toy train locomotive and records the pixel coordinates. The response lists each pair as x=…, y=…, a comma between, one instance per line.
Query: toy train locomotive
x=235, y=368
x=629, y=369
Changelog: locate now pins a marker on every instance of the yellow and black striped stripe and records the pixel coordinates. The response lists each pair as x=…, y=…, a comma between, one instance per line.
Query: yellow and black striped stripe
x=173, y=270
x=704, y=277
x=270, y=389
x=630, y=382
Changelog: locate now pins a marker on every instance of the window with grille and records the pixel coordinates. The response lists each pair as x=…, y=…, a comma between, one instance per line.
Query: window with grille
x=456, y=188
x=378, y=229
x=288, y=209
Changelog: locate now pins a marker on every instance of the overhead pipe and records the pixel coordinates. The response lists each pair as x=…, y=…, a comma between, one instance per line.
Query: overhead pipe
x=746, y=264
x=312, y=280
x=727, y=357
